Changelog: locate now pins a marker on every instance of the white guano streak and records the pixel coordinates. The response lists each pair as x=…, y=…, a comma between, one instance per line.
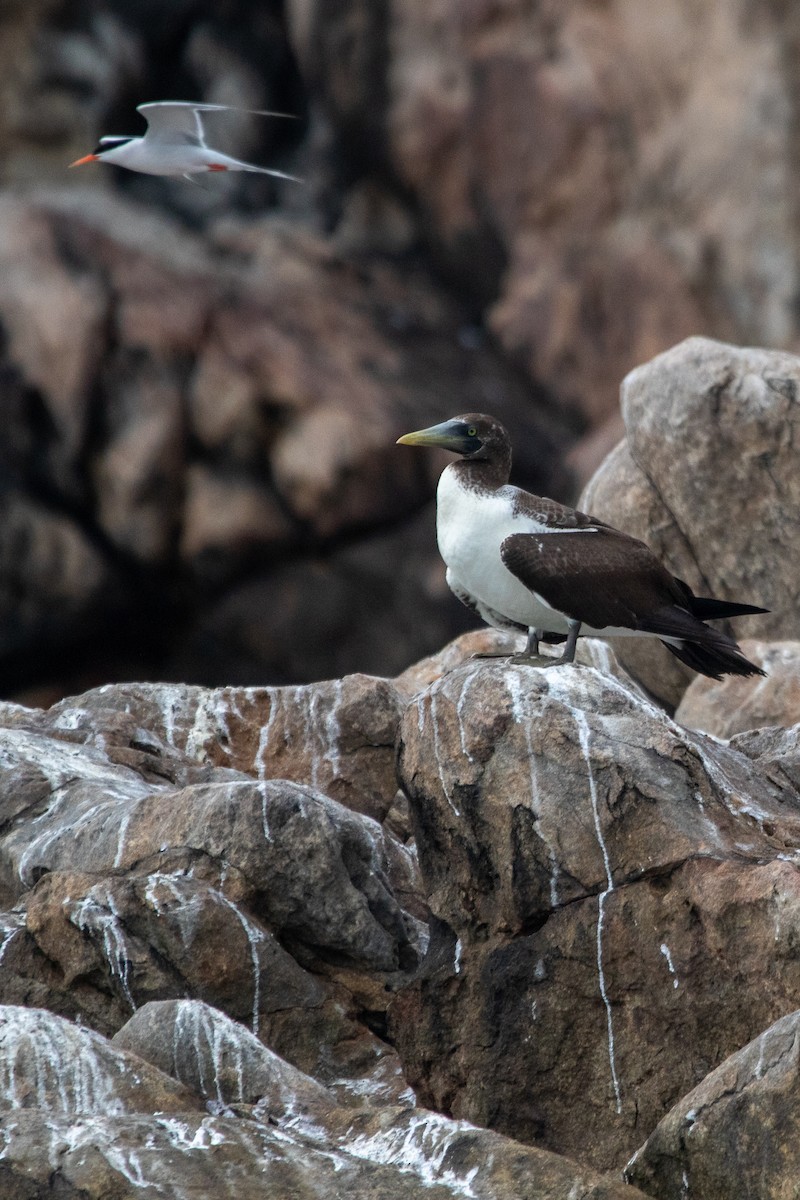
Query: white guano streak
x=583, y=737
x=664, y=948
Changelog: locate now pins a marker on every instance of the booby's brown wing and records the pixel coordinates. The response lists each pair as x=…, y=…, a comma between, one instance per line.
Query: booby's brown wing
x=551, y=513
x=600, y=577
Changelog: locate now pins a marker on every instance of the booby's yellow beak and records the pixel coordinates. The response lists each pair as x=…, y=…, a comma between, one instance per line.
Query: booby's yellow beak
x=86, y=158
x=450, y=435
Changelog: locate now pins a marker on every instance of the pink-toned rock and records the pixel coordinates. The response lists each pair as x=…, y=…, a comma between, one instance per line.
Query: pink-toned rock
x=588, y=864
x=732, y=705
x=580, y=165
x=707, y=478
x=336, y=736
x=716, y=1141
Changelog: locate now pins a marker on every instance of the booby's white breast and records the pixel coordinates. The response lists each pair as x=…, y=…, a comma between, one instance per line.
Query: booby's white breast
x=471, y=524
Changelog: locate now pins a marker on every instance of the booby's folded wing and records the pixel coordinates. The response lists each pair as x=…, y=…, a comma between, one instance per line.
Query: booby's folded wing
x=595, y=575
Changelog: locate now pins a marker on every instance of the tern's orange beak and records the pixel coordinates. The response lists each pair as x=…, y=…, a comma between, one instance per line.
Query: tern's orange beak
x=86, y=158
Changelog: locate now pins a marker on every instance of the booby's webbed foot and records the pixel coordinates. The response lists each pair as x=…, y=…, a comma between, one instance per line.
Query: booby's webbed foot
x=536, y=660
x=491, y=654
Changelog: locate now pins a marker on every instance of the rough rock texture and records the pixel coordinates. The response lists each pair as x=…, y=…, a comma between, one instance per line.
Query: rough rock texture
x=146, y=872
x=504, y=207
x=82, y=1117
x=707, y=477
x=736, y=1134
x=50, y=1064
x=725, y=707
x=218, y=1059
x=195, y=425
x=588, y=864
x=776, y=752
x=582, y=166
x=573, y=912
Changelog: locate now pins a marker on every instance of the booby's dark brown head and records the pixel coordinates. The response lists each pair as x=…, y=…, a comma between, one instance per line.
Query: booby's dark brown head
x=475, y=436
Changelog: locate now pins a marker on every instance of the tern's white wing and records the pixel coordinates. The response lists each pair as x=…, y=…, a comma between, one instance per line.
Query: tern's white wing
x=172, y=122
x=179, y=121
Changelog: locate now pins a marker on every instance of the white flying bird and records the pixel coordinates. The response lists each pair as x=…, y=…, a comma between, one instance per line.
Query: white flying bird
x=175, y=143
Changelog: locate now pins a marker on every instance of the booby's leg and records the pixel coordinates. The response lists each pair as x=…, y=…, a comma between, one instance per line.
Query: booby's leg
x=572, y=640
x=533, y=657
x=532, y=648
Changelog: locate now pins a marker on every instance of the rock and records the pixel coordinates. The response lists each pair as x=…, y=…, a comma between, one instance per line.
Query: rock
x=233, y=640
x=337, y=736
x=612, y=224
x=459, y=1156
x=168, y=932
x=147, y=462
x=194, y=1155
x=52, y=1065
x=735, y=1133
x=125, y=913
x=580, y=852
x=94, y=1119
x=311, y=866
x=700, y=404
x=493, y=643
x=776, y=752
x=54, y=584
x=53, y=321
x=219, y=1059
x=733, y=705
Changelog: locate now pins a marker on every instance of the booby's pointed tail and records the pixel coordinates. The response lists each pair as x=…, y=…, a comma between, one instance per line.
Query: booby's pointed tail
x=708, y=609
x=714, y=658
x=702, y=647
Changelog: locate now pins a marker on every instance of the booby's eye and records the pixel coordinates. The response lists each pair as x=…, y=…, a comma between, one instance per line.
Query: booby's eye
x=472, y=431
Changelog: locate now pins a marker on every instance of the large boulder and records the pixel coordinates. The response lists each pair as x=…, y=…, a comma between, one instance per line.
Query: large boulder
x=588, y=865
x=707, y=478
x=736, y=1133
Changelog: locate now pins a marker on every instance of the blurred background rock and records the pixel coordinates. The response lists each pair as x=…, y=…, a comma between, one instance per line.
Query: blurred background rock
x=506, y=206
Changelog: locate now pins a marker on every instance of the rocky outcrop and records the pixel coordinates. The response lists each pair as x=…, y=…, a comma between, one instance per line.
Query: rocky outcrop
x=501, y=209
x=571, y=913
x=86, y=1118
x=582, y=166
x=178, y=461
x=735, y=1134
x=722, y=708
x=707, y=477
x=574, y=842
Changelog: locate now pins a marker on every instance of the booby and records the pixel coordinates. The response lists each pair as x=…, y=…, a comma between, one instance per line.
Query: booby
x=528, y=564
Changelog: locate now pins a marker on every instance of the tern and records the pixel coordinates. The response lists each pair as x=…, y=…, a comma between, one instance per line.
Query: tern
x=528, y=564
x=175, y=143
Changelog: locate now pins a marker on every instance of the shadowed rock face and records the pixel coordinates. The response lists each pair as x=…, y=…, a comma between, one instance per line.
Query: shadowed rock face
x=570, y=915
x=504, y=208
x=200, y=456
